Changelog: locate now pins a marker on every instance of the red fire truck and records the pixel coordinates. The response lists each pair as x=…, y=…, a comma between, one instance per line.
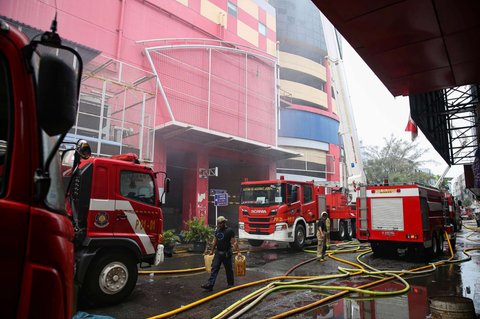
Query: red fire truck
x=341, y=212
x=39, y=85
x=286, y=211
x=115, y=208
x=407, y=216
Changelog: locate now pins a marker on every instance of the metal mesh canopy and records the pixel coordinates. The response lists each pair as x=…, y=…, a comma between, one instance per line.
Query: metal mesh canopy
x=216, y=85
x=116, y=112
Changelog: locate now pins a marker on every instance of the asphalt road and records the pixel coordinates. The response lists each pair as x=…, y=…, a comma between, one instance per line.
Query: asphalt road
x=158, y=294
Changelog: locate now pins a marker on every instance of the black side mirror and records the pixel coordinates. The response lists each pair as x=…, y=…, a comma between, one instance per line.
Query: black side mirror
x=57, y=95
x=167, y=185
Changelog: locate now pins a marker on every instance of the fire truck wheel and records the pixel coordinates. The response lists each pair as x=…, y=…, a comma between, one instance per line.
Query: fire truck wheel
x=299, y=239
x=255, y=242
x=343, y=231
x=440, y=244
x=434, y=249
x=110, y=278
x=377, y=249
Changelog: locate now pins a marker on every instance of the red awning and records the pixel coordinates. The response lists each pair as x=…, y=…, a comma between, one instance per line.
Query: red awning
x=413, y=46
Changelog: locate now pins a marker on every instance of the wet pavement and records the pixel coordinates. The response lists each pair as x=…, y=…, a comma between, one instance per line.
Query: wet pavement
x=158, y=294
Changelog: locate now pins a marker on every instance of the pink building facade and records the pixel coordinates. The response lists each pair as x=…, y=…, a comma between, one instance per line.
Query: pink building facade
x=186, y=84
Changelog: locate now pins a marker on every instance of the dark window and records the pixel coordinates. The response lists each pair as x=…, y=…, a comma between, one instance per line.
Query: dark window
x=6, y=122
x=292, y=193
x=307, y=194
x=302, y=78
x=137, y=186
x=232, y=8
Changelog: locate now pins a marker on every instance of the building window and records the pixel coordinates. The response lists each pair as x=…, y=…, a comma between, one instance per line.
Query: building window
x=262, y=29
x=232, y=8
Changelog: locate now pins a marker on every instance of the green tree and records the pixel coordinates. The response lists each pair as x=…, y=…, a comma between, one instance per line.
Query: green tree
x=398, y=161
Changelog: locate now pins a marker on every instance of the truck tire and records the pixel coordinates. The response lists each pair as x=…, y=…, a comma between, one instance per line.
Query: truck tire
x=343, y=231
x=350, y=230
x=299, y=238
x=377, y=249
x=111, y=278
x=434, y=249
x=255, y=242
x=440, y=244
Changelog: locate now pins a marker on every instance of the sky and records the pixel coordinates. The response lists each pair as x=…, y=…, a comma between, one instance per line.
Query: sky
x=378, y=114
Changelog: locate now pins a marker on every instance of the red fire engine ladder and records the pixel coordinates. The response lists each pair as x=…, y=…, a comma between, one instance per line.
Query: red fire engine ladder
x=363, y=218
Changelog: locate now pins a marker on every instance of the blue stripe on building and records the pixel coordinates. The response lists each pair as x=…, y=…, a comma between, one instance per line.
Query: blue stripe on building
x=306, y=125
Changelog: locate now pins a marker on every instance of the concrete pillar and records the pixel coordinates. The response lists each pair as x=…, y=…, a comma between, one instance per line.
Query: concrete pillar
x=160, y=161
x=272, y=170
x=195, y=189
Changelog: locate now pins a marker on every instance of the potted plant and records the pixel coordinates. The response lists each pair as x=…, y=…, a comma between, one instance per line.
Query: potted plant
x=170, y=239
x=198, y=233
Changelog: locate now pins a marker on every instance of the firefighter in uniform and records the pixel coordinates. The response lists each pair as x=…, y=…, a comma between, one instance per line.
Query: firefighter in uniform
x=322, y=236
x=222, y=246
x=327, y=232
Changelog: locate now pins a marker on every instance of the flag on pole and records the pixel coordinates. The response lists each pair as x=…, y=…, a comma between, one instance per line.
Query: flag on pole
x=412, y=127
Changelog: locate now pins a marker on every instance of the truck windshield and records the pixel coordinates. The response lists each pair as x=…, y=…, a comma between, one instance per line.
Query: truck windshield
x=137, y=186
x=262, y=194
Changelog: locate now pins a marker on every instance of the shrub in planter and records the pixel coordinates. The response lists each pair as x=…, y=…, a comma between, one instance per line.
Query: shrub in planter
x=198, y=233
x=170, y=239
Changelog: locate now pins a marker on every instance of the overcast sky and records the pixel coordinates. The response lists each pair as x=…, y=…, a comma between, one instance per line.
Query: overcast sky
x=378, y=114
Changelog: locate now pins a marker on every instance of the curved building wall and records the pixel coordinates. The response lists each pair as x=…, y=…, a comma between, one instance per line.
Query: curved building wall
x=299, y=29
x=308, y=112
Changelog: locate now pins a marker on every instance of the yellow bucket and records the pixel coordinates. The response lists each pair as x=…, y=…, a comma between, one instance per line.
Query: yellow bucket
x=240, y=265
x=208, y=262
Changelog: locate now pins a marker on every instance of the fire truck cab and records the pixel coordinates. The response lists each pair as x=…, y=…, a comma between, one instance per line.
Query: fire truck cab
x=115, y=207
x=407, y=216
x=39, y=85
x=278, y=210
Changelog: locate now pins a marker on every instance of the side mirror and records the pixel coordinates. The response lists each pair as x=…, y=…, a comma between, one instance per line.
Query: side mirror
x=57, y=95
x=167, y=185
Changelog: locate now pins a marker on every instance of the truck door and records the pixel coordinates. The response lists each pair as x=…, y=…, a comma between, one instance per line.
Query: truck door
x=309, y=205
x=137, y=216
x=14, y=180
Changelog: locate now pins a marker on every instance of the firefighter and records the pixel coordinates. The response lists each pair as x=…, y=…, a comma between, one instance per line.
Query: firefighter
x=327, y=232
x=322, y=236
x=222, y=246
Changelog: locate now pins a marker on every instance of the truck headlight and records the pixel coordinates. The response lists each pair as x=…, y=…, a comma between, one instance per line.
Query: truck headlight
x=241, y=226
x=279, y=227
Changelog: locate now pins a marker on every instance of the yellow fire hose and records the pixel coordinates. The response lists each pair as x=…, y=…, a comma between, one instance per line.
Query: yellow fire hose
x=300, y=282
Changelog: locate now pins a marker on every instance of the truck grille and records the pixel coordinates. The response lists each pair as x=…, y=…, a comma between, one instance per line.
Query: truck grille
x=259, y=220
x=259, y=225
x=259, y=232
